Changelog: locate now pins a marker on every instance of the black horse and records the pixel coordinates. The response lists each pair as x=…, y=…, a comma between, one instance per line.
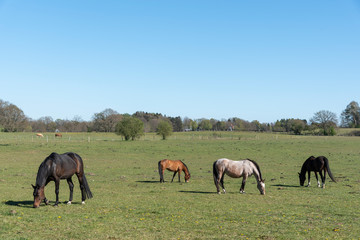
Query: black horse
x=56, y=167
x=316, y=165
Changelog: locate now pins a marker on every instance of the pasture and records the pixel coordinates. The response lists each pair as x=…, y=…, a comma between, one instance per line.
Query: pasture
x=130, y=203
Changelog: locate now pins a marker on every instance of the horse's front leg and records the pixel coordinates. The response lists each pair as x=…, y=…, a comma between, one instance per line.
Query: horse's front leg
x=71, y=187
x=242, y=189
x=308, y=179
x=173, y=176
x=179, y=174
x=46, y=201
x=57, y=185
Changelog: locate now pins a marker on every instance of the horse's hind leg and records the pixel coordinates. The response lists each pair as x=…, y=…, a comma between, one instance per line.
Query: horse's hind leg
x=222, y=183
x=82, y=187
x=317, y=178
x=161, y=173
x=323, y=178
x=173, y=176
x=71, y=187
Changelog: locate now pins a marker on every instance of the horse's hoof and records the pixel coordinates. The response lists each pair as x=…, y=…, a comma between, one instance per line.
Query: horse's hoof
x=46, y=201
x=83, y=202
x=69, y=203
x=55, y=205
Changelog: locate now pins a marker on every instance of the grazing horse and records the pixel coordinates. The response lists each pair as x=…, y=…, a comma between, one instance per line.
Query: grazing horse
x=175, y=166
x=39, y=135
x=316, y=165
x=58, y=135
x=56, y=167
x=237, y=169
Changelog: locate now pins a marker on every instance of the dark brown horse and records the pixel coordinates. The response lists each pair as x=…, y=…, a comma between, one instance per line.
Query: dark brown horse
x=175, y=166
x=315, y=165
x=56, y=167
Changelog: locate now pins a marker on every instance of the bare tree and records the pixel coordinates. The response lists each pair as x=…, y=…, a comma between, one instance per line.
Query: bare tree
x=326, y=121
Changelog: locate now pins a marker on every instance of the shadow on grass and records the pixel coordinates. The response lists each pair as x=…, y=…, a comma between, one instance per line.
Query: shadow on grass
x=148, y=181
x=199, y=192
x=24, y=204
x=285, y=185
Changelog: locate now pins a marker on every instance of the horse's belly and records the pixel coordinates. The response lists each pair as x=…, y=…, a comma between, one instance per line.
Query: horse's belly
x=233, y=175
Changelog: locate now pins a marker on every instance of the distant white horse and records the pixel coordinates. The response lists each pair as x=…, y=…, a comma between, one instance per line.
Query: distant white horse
x=39, y=135
x=237, y=169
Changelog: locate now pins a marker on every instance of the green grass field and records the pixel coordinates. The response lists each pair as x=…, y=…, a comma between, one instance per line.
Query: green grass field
x=130, y=203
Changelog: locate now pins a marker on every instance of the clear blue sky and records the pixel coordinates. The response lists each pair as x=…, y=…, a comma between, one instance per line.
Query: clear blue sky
x=256, y=60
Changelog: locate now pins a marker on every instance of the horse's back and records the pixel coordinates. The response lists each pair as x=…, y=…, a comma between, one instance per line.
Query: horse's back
x=66, y=164
x=237, y=168
x=315, y=164
x=171, y=164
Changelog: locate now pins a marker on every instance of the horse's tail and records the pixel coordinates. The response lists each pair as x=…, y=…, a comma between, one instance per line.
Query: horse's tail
x=87, y=188
x=328, y=169
x=215, y=172
x=160, y=171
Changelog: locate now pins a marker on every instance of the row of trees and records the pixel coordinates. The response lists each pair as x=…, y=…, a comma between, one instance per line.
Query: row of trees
x=13, y=119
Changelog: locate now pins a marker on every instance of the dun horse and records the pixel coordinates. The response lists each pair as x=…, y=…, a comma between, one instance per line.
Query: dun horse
x=315, y=165
x=175, y=166
x=56, y=167
x=237, y=169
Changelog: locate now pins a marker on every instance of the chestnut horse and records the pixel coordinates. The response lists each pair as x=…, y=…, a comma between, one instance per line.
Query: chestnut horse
x=315, y=165
x=175, y=166
x=237, y=169
x=56, y=167
x=58, y=135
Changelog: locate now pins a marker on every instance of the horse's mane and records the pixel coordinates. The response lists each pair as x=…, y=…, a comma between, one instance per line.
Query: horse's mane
x=305, y=164
x=257, y=167
x=43, y=171
x=186, y=167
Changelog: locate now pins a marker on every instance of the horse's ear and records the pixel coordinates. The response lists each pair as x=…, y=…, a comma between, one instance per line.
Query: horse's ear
x=263, y=180
x=33, y=186
x=299, y=173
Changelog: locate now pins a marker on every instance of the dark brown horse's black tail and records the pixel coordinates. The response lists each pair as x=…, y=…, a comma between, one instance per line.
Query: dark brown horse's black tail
x=328, y=169
x=160, y=172
x=87, y=188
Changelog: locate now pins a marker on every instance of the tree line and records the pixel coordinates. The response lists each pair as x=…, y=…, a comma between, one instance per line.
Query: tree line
x=13, y=119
